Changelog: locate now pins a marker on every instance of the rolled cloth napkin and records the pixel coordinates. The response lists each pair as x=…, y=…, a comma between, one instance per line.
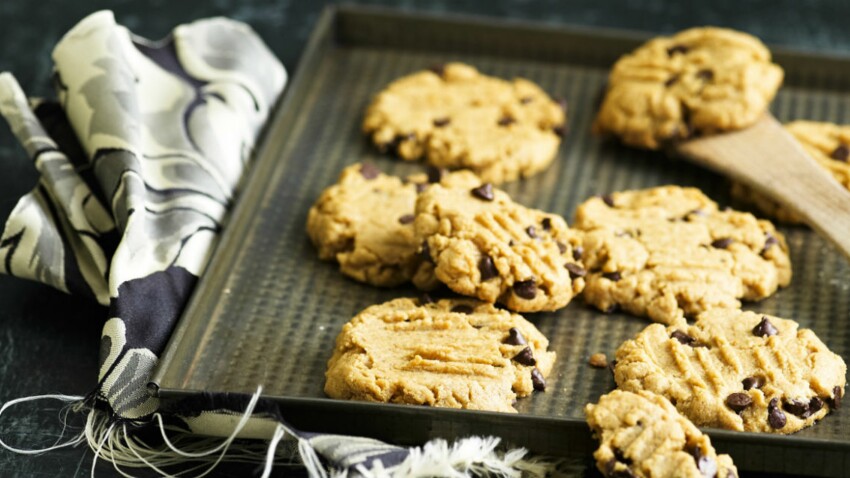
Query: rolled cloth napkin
x=139, y=162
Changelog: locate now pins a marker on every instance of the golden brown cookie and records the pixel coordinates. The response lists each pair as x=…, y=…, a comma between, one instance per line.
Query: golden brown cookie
x=458, y=118
x=667, y=253
x=458, y=353
x=365, y=222
x=699, y=81
x=485, y=245
x=641, y=435
x=736, y=370
x=827, y=143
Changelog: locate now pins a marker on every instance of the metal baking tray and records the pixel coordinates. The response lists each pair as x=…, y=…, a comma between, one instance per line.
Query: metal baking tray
x=267, y=311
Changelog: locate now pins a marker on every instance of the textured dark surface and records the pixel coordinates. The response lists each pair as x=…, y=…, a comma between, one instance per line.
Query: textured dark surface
x=49, y=342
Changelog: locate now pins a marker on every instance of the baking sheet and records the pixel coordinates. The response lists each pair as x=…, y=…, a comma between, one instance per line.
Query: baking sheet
x=267, y=311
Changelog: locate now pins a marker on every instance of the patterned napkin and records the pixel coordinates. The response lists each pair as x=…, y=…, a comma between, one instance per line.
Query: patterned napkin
x=139, y=162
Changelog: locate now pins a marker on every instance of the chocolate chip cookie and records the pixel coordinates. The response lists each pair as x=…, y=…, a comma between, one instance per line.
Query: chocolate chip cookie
x=827, y=143
x=365, y=222
x=699, y=81
x=668, y=253
x=458, y=118
x=641, y=435
x=736, y=370
x=484, y=245
x=458, y=353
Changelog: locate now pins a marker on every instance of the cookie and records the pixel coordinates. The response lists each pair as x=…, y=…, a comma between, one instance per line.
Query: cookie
x=668, y=253
x=458, y=118
x=365, y=222
x=699, y=81
x=736, y=370
x=484, y=245
x=457, y=353
x=827, y=143
x=641, y=435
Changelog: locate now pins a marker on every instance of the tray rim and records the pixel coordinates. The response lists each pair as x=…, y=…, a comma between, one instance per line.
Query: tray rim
x=325, y=34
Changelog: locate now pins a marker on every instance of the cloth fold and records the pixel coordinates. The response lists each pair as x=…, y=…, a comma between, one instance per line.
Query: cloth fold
x=139, y=161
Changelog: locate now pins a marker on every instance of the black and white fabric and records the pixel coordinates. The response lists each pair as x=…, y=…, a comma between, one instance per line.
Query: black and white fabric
x=139, y=160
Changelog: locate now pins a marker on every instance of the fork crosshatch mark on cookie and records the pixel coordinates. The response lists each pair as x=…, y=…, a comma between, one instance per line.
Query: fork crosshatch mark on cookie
x=484, y=245
x=736, y=370
x=457, y=118
x=458, y=353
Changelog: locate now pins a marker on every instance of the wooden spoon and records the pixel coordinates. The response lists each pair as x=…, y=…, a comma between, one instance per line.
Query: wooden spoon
x=769, y=160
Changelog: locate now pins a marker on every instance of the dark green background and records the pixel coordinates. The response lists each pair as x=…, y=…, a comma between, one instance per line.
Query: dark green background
x=49, y=342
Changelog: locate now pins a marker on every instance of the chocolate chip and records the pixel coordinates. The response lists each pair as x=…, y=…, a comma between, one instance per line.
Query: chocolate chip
x=425, y=252
x=841, y=153
x=511, y=243
x=705, y=464
x=515, y=337
x=526, y=289
x=439, y=69
x=621, y=457
x=677, y=49
x=705, y=74
x=575, y=270
x=802, y=408
x=462, y=309
x=487, y=268
x=537, y=380
x=440, y=122
x=485, y=192
x=506, y=121
x=531, y=231
x=682, y=337
x=721, y=243
x=764, y=328
x=407, y=219
x=435, y=175
x=421, y=187
x=607, y=199
x=369, y=171
x=561, y=130
x=738, y=401
x=546, y=223
x=611, y=470
x=525, y=357
x=577, y=252
x=837, y=394
x=526, y=100
x=562, y=248
x=425, y=299
x=612, y=276
x=753, y=382
x=672, y=80
x=769, y=241
x=775, y=417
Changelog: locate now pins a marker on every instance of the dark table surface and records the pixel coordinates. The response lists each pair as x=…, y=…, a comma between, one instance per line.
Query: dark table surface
x=49, y=341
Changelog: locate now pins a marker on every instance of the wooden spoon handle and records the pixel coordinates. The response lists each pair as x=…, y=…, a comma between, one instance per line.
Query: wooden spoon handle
x=769, y=160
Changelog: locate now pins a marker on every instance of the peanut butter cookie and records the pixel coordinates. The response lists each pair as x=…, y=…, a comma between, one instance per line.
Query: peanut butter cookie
x=699, y=81
x=485, y=245
x=458, y=118
x=736, y=370
x=641, y=435
x=668, y=252
x=458, y=353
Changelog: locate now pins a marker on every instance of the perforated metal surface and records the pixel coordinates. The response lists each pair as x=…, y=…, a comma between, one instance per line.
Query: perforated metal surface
x=268, y=310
